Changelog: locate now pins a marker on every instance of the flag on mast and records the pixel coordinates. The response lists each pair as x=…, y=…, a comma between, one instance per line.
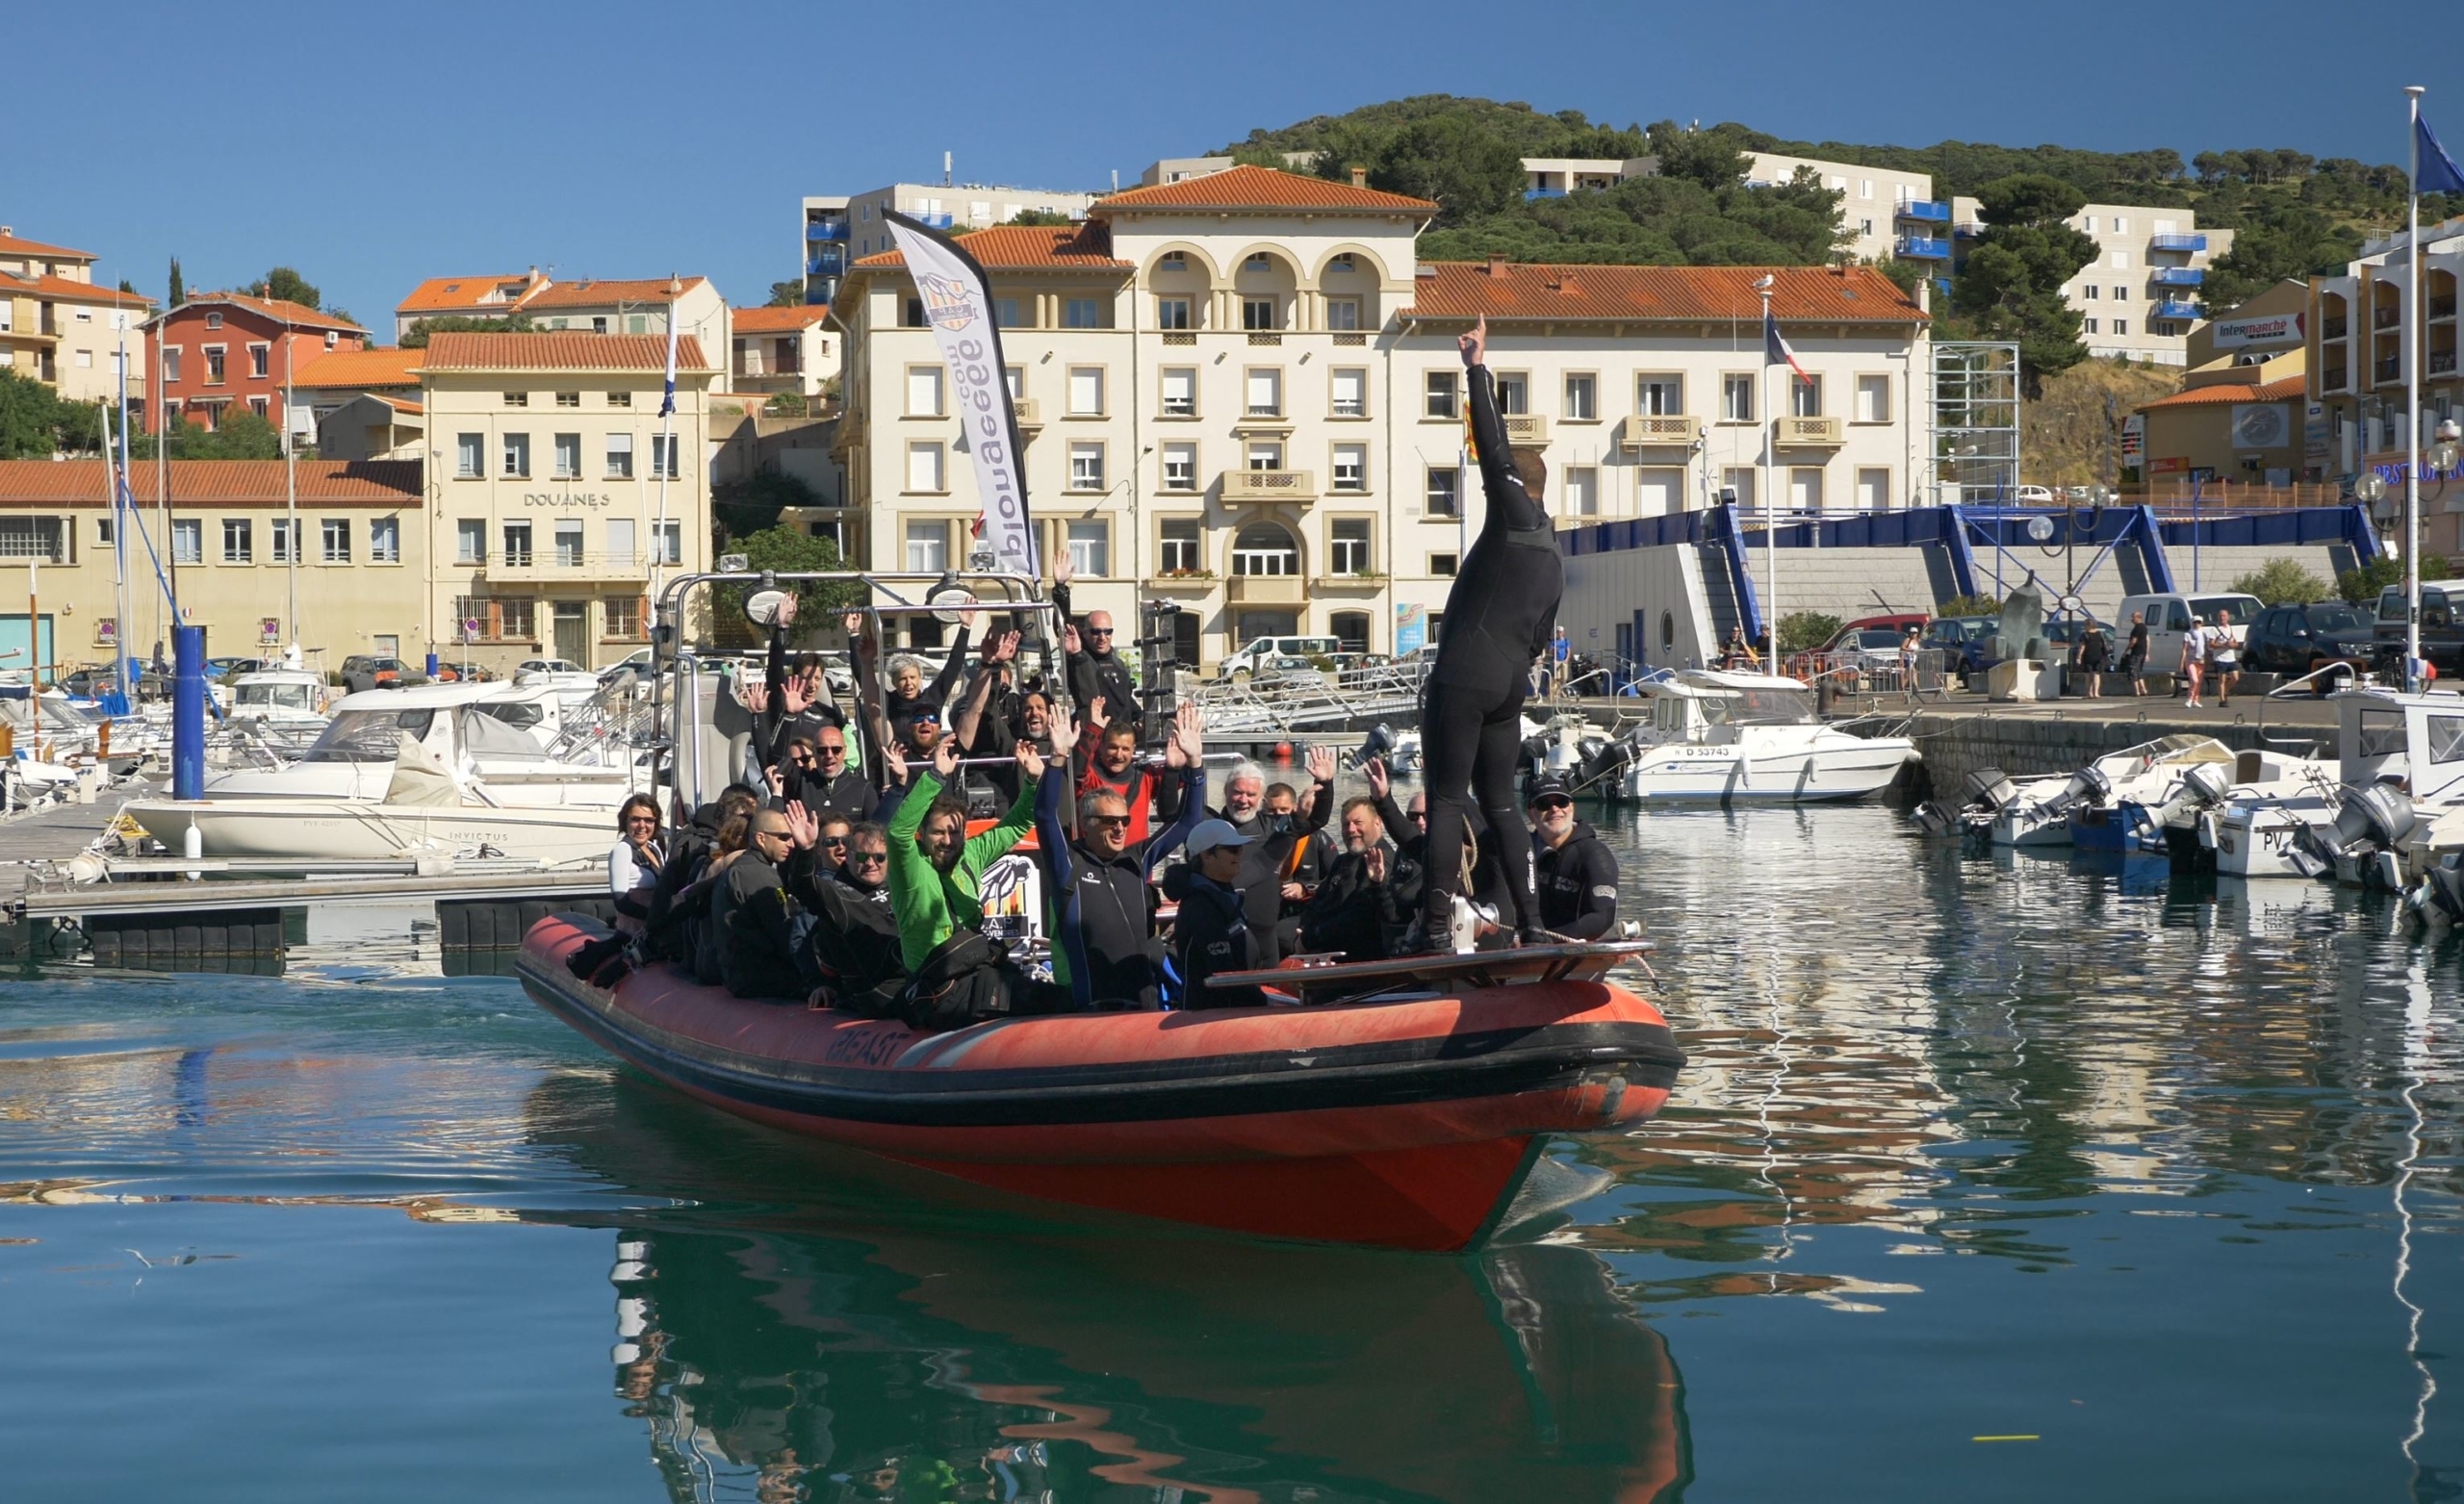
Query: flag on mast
x=667, y=403
x=1774, y=350
x=957, y=308
x=2438, y=172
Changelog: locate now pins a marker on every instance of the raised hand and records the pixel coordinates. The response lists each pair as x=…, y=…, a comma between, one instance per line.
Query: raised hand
x=1061, y=568
x=787, y=610
x=1002, y=649
x=1374, y=859
x=1322, y=764
x=854, y=621
x=754, y=698
x=1069, y=638
x=945, y=759
x=1029, y=760
x=972, y=619
x=804, y=827
x=794, y=698
x=1093, y=714
x=895, y=763
x=1375, y=769
x=771, y=776
x=1475, y=345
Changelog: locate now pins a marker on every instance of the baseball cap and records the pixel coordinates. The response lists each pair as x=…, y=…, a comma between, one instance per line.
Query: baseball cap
x=1212, y=833
x=1546, y=786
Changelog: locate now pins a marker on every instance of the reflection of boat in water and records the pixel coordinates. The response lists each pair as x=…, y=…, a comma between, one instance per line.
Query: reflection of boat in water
x=1406, y=1119
x=772, y=1344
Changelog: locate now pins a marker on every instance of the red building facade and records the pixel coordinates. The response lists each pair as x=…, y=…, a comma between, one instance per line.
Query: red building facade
x=224, y=352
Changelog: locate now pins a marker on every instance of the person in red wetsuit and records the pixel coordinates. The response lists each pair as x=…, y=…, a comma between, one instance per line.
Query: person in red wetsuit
x=1107, y=759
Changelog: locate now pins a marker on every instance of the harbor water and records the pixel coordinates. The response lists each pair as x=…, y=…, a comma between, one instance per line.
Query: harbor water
x=2006, y=1179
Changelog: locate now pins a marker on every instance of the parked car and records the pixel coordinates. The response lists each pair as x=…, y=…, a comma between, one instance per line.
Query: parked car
x=1258, y=653
x=2442, y=634
x=368, y=670
x=638, y=662
x=2293, y=641
x=1967, y=641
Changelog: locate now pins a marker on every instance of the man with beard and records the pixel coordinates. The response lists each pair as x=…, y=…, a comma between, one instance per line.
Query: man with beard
x=1369, y=895
x=936, y=870
x=1578, y=874
x=1101, y=909
x=1107, y=760
x=1274, y=850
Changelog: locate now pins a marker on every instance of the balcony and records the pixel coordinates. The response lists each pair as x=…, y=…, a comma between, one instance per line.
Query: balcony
x=2335, y=329
x=1340, y=584
x=1268, y=590
x=1929, y=210
x=2386, y=316
x=549, y=567
x=1806, y=432
x=2332, y=379
x=940, y=221
x=2179, y=276
x=1530, y=194
x=1529, y=429
x=2170, y=309
x=829, y=263
x=1254, y=486
x=1923, y=248
x=2177, y=242
x=1647, y=432
x=2388, y=372
x=2442, y=363
x=2442, y=307
x=1968, y=229
x=1030, y=416
x=833, y=230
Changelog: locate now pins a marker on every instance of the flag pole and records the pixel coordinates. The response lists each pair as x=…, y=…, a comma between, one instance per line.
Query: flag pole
x=666, y=457
x=1770, y=501
x=2413, y=392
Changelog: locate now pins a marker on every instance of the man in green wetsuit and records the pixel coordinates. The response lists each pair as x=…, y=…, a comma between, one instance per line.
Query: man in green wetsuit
x=936, y=870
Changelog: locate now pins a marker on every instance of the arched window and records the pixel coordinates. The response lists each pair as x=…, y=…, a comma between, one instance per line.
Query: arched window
x=1265, y=549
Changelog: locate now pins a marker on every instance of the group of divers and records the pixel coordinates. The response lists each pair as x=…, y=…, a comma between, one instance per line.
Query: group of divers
x=865, y=893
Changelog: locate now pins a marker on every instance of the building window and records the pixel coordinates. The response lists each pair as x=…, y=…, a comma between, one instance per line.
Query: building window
x=2086, y=326
x=2121, y=294
x=2091, y=292
x=278, y=540
x=1441, y=564
x=910, y=314
x=1347, y=392
x=1342, y=313
x=623, y=614
x=928, y=546
x=1444, y=488
x=1348, y=547
x=1736, y=399
x=384, y=540
x=1582, y=491
x=517, y=400
x=1738, y=481
x=1257, y=262
x=569, y=544
x=1805, y=396
x=924, y=392
x=214, y=321
x=1265, y=549
x=1171, y=312
x=1087, y=467
x=568, y=457
x=1086, y=391
x=2120, y=261
x=214, y=365
x=102, y=533
x=1086, y=312
x=1264, y=454
x=236, y=540
x=1180, y=467
x=1873, y=399
x=926, y=467
x=1177, y=546
x=518, y=616
x=1582, y=397
x=620, y=542
x=258, y=405
x=1258, y=313
x=171, y=360
x=517, y=456
x=188, y=541
x=1090, y=547
x=2121, y=327
x=663, y=457
x=620, y=399
x=568, y=399
x=1659, y=396
x=1351, y=466
x=1265, y=394
x=620, y=456
x=667, y=542
x=471, y=541
x=1005, y=313
x=337, y=540
x=1514, y=391
x=1180, y=391
x=259, y=357
x=634, y=324
x=1440, y=399
x=517, y=545
x=1873, y=490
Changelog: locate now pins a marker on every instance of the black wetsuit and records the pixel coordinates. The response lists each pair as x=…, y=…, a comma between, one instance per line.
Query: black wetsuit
x=1578, y=887
x=1499, y=613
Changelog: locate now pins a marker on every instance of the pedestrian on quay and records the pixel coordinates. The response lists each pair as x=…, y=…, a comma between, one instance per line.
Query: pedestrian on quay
x=2096, y=653
x=2223, y=656
x=2134, y=654
x=2193, y=659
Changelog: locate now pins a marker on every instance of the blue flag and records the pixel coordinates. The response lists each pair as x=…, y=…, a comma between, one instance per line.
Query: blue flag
x=2437, y=172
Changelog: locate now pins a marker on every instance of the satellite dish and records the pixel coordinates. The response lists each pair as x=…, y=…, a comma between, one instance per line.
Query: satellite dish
x=2041, y=529
x=761, y=607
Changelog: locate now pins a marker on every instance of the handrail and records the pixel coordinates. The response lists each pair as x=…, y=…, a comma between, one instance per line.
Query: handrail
x=2288, y=686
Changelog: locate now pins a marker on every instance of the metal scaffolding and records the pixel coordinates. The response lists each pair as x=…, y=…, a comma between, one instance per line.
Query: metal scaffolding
x=1974, y=419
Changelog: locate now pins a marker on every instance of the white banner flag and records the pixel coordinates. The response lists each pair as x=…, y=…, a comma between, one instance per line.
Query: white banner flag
x=958, y=307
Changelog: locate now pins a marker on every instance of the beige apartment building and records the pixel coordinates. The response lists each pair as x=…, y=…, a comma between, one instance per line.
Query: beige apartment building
x=359, y=572
x=783, y=350
x=1241, y=391
x=2139, y=298
x=548, y=513
x=1886, y=211
x=2360, y=327
x=59, y=327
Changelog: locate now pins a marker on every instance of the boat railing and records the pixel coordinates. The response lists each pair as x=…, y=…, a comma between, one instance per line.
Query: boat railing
x=2308, y=682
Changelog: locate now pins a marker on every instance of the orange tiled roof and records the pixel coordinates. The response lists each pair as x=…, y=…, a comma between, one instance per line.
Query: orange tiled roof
x=2225, y=391
x=388, y=483
x=461, y=294
x=1466, y=289
x=560, y=350
x=279, y=310
x=598, y=294
x=49, y=286
x=12, y=245
x=1249, y=190
x=382, y=367
x=777, y=321
x=1051, y=247
x=400, y=404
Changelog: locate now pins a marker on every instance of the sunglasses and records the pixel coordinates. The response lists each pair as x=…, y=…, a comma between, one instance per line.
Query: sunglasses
x=801, y=762
x=1551, y=806
x=1100, y=631
x=868, y=859
x=834, y=840
x=1108, y=822
x=827, y=750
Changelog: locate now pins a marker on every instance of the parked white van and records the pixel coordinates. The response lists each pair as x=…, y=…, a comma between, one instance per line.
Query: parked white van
x=1259, y=654
x=2168, y=618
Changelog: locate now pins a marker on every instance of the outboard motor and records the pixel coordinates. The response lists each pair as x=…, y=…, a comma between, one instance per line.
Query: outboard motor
x=1983, y=794
x=1989, y=789
x=2186, y=822
x=2437, y=901
x=1379, y=745
x=2370, y=824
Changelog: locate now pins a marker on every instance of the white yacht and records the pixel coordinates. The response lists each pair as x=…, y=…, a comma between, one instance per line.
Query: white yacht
x=499, y=734
x=1721, y=737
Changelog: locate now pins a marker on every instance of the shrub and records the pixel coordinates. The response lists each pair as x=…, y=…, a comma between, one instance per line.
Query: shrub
x=2283, y=582
x=1803, y=630
x=1969, y=605
x=2361, y=587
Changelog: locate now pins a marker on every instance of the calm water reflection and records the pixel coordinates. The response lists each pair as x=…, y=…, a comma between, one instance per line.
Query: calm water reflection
x=2162, y=1179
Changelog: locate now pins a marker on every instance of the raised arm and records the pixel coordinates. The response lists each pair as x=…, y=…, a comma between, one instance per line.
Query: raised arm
x=1510, y=505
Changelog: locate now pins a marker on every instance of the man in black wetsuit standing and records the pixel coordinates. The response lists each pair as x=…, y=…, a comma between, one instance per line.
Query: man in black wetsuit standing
x=1499, y=616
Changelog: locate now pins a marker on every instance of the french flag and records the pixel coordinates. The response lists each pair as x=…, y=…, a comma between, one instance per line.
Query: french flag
x=1774, y=350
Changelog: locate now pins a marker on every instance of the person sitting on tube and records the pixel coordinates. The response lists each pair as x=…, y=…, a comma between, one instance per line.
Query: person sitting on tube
x=1212, y=932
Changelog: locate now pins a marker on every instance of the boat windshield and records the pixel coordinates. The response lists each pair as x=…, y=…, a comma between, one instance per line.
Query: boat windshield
x=488, y=735
x=1760, y=707
x=370, y=735
x=285, y=697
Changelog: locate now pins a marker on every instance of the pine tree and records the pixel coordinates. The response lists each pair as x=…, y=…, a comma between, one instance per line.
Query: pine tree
x=179, y=289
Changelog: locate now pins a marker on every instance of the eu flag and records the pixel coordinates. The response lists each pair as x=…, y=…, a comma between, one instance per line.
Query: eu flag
x=2437, y=172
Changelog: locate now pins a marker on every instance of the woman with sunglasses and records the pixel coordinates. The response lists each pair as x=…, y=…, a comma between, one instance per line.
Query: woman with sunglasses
x=634, y=863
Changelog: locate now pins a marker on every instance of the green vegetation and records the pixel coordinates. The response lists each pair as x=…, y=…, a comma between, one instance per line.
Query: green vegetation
x=2284, y=582
x=746, y=509
x=464, y=323
x=179, y=287
x=288, y=285
x=788, y=551
x=786, y=294
x=1037, y=217
x=1969, y=605
x=2012, y=287
x=1802, y=631
x=2361, y=587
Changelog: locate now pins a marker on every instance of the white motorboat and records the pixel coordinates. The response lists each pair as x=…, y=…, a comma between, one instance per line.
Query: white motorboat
x=1721, y=737
x=2039, y=812
x=2406, y=750
x=497, y=734
x=288, y=699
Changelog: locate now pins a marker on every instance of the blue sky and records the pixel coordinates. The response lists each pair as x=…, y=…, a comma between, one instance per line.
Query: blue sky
x=374, y=145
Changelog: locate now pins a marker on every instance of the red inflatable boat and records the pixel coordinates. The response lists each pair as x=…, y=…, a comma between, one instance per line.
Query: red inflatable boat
x=1405, y=1119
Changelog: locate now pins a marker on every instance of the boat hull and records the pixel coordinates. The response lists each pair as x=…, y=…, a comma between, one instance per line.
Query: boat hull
x=344, y=830
x=1684, y=774
x=1403, y=1125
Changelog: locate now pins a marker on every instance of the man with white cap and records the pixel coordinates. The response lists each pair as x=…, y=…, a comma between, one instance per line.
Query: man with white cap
x=1211, y=934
